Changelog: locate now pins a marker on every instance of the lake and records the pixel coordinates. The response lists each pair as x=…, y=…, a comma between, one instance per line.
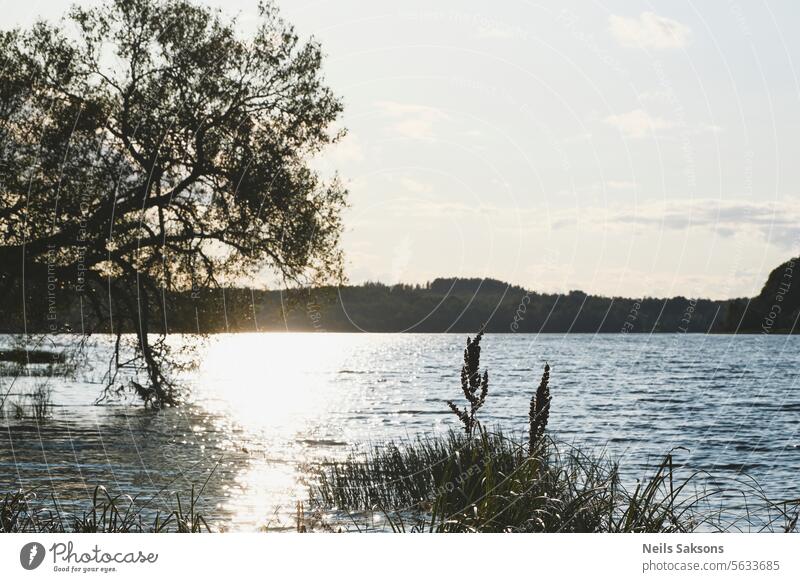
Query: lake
x=262, y=406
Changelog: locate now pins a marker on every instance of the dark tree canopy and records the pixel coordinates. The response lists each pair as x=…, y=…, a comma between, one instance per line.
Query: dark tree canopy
x=147, y=148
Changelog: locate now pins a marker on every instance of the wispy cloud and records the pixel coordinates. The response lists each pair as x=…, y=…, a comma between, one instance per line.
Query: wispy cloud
x=777, y=221
x=416, y=186
x=638, y=123
x=348, y=149
x=435, y=208
x=649, y=31
x=402, y=253
x=412, y=120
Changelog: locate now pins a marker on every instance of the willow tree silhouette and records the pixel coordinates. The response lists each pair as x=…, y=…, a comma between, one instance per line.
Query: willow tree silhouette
x=146, y=147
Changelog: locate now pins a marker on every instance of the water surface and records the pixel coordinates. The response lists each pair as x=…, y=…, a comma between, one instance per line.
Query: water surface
x=263, y=405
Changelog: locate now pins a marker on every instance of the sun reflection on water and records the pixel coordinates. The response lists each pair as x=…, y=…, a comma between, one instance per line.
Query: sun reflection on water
x=271, y=381
x=272, y=393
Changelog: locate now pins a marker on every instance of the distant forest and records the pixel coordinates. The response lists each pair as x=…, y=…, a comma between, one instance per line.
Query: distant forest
x=443, y=305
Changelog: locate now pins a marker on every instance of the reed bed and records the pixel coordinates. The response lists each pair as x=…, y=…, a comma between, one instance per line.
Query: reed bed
x=26, y=512
x=490, y=483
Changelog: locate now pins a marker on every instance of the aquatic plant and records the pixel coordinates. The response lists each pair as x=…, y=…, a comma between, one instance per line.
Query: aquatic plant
x=23, y=357
x=539, y=412
x=474, y=386
x=41, y=404
x=491, y=483
x=24, y=512
x=38, y=355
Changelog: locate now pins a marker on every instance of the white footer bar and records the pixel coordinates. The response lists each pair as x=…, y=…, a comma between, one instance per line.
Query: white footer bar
x=234, y=557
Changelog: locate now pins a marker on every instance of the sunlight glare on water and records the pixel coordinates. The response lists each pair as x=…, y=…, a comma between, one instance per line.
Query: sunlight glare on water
x=274, y=387
x=271, y=381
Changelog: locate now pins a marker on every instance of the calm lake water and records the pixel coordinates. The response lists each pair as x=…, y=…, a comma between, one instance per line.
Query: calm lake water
x=263, y=405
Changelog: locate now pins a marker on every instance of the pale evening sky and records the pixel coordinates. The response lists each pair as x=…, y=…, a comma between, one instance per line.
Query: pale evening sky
x=622, y=148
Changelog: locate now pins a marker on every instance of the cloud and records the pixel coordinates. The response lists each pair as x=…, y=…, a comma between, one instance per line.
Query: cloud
x=348, y=149
x=411, y=120
x=415, y=186
x=649, y=31
x=637, y=123
x=777, y=221
x=402, y=253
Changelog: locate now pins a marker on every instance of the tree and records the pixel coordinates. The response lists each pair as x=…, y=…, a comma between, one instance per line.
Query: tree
x=147, y=148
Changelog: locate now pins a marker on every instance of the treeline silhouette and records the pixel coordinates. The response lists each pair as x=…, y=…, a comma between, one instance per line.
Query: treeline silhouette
x=443, y=305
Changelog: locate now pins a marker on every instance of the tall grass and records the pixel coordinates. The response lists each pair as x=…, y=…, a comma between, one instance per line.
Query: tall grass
x=492, y=483
x=41, y=404
x=474, y=386
x=25, y=512
x=36, y=404
x=539, y=412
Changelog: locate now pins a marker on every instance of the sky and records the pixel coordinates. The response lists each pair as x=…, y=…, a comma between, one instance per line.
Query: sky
x=620, y=148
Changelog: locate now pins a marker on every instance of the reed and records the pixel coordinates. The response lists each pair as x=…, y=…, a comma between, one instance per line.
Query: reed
x=36, y=404
x=539, y=412
x=474, y=385
x=492, y=483
x=25, y=512
x=40, y=402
